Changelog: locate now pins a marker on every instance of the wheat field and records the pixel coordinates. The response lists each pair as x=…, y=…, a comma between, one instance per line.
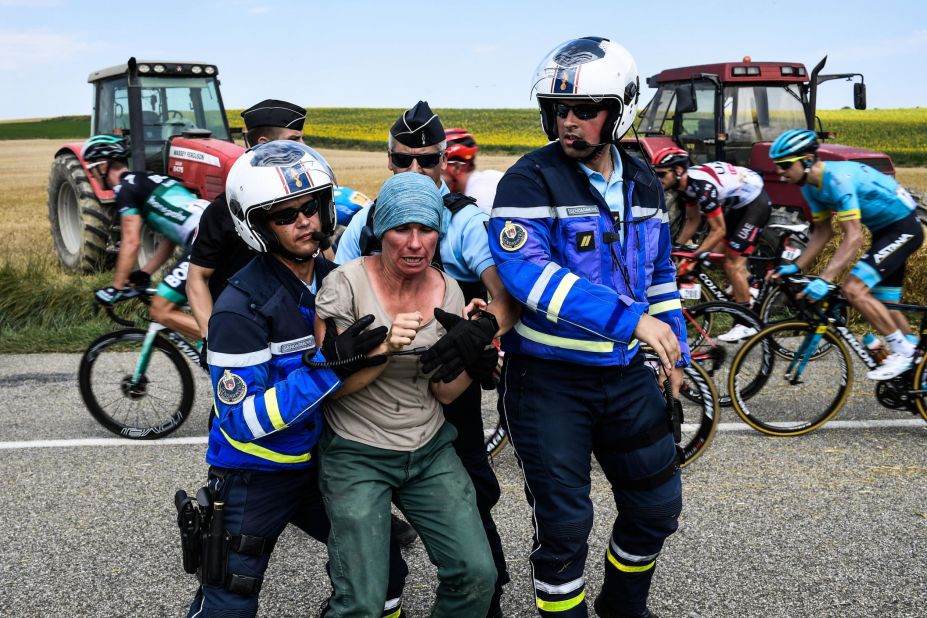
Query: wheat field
x=24, y=166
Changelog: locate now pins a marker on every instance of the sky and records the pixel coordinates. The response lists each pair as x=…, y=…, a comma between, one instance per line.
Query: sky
x=343, y=53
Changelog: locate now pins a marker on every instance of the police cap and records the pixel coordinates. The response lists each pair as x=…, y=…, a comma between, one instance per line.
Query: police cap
x=418, y=127
x=274, y=113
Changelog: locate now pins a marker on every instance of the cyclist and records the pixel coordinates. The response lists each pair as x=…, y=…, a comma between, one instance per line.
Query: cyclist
x=268, y=415
x=417, y=144
x=734, y=203
x=580, y=235
x=856, y=195
x=168, y=208
x=461, y=174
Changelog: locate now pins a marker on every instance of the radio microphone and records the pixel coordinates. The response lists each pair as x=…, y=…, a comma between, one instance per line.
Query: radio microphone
x=581, y=144
x=320, y=235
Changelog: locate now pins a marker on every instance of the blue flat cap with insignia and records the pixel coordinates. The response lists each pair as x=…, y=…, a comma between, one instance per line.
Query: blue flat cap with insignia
x=274, y=113
x=418, y=127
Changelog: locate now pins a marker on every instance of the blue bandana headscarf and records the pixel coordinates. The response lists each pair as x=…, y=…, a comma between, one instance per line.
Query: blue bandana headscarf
x=405, y=198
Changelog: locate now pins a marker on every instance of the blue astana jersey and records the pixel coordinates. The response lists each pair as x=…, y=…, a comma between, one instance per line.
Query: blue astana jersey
x=851, y=190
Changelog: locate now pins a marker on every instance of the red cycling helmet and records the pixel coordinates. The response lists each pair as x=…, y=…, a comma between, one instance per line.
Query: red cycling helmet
x=670, y=156
x=460, y=145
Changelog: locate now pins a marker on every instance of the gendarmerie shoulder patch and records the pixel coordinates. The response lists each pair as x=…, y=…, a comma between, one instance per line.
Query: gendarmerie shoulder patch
x=231, y=388
x=513, y=236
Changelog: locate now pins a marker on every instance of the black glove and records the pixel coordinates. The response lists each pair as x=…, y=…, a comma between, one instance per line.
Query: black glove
x=483, y=370
x=347, y=351
x=461, y=347
x=107, y=296
x=139, y=279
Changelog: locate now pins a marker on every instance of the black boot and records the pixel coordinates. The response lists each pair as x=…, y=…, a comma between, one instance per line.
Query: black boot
x=404, y=534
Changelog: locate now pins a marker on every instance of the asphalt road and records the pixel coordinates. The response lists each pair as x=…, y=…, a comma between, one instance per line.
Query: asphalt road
x=829, y=524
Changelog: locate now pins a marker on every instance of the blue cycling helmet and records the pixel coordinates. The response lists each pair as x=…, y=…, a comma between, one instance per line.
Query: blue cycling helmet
x=794, y=143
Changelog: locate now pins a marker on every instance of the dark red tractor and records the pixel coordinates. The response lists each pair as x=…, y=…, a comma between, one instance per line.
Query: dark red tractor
x=173, y=118
x=732, y=111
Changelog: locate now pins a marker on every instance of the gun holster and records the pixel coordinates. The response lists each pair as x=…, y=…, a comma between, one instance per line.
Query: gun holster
x=673, y=412
x=190, y=522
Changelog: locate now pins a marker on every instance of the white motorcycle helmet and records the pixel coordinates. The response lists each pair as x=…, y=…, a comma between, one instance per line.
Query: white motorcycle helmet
x=590, y=68
x=274, y=172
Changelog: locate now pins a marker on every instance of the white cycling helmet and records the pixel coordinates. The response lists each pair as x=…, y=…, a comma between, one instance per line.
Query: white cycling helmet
x=590, y=68
x=274, y=172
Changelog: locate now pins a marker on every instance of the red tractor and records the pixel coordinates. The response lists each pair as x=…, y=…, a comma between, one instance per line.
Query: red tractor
x=732, y=111
x=175, y=123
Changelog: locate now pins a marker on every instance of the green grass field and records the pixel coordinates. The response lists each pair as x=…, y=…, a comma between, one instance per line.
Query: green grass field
x=902, y=133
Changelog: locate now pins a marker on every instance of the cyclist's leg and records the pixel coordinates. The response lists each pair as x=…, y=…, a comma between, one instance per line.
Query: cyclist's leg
x=735, y=267
x=883, y=266
x=171, y=296
x=744, y=227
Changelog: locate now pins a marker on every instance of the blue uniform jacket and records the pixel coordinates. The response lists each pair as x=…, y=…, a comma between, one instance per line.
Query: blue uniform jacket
x=559, y=252
x=267, y=403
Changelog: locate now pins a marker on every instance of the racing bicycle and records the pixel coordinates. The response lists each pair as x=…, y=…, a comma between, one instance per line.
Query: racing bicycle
x=137, y=382
x=809, y=378
x=699, y=401
x=698, y=283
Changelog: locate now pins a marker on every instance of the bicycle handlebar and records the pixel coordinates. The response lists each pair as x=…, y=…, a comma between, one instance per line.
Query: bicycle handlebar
x=130, y=293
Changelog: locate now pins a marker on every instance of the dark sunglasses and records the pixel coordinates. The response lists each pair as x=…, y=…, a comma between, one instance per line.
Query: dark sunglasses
x=425, y=161
x=787, y=163
x=662, y=173
x=583, y=112
x=289, y=215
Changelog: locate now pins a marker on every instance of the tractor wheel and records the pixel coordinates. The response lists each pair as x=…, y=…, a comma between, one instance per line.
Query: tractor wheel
x=80, y=224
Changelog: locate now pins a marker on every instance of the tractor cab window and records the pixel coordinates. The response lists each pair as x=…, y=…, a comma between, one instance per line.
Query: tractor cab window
x=172, y=105
x=696, y=129
x=758, y=113
x=657, y=117
x=112, y=107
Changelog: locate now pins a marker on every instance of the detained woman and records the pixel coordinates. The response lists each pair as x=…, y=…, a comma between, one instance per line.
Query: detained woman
x=386, y=439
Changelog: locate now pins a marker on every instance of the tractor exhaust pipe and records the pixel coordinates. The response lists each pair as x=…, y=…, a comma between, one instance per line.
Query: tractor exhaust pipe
x=813, y=95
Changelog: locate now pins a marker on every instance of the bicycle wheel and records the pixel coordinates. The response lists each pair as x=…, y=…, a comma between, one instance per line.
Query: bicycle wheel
x=775, y=309
x=157, y=405
x=704, y=324
x=791, y=398
x=699, y=412
x=494, y=434
x=920, y=387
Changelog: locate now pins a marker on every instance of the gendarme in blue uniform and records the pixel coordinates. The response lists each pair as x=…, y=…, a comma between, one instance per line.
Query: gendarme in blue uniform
x=572, y=384
x=584, y=280
x=257, y=335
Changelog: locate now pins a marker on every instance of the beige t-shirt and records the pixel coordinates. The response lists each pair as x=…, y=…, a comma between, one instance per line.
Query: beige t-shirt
x=397, y=410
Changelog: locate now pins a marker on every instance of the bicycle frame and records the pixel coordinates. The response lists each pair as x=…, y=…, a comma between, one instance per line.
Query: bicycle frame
x=829, y=314
x=154, y=328
x=765, y=288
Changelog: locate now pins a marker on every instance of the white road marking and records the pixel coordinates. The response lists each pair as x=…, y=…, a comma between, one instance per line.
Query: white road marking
x=873, y=424
x=101, y=442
